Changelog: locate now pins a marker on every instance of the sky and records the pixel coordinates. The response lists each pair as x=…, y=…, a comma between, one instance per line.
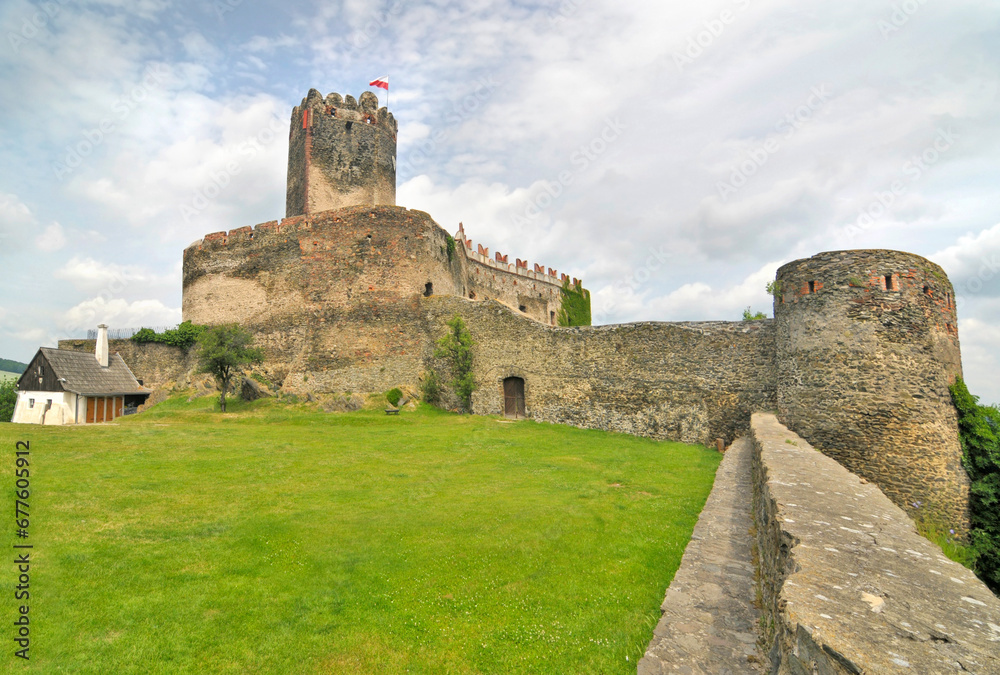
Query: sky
x=670, y=154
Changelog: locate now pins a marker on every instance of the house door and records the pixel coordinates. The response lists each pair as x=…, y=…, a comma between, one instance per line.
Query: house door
x=513, y=398
x=91, y=410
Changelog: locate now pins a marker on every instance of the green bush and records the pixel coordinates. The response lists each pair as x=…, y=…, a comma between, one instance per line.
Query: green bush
x=393, y=396
x=773, y=289
x=430, y=388
x=575, y=310
x=750, y=316
x=979, y=430
x=450, y=247
x=183, y=336
x=145, y=335
x=8, y=399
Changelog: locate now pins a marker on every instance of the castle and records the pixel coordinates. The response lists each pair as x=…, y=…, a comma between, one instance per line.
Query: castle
x=350, y=292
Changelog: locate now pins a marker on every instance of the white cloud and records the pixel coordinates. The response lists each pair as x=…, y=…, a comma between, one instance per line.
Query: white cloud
x=52, y=239
x=15, y=219
x=263, y=43
x=973, y=263
x=980, y=360
x=112, y=279
x=118, y=313
x=696, y=301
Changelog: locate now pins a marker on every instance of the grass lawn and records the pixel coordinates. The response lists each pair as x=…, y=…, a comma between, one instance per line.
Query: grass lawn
x=279, y=539
x=8, y=376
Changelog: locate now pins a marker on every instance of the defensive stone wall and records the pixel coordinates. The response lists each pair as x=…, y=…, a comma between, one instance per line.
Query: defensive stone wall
x=156, y=365
x=689, y=381
x=341, y=152
x=333, y=297
x=867, y=345
x=847, y=585
x=533, y=292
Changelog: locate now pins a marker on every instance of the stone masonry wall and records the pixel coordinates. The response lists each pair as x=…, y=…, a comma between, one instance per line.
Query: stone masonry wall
x=530, y=290
x=341, y=152
x=334, y=297
x=157, y=365
x=846, y=583
x=867, y=345
x=692, y=381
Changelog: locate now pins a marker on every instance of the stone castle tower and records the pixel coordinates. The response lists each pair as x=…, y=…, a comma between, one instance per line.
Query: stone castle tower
x=341, y=152
x=866, y=346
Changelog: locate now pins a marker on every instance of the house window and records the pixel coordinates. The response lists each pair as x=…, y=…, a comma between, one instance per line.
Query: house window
x=31, y=403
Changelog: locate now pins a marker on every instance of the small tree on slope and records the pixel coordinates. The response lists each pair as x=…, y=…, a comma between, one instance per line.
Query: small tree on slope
x=456, y=346
x=222, y=353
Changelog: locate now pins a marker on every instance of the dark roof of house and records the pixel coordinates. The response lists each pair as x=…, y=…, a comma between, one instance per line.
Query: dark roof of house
x=80, y=373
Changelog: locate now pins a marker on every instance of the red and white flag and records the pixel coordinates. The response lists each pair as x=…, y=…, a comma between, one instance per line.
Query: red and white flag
x=381, y=83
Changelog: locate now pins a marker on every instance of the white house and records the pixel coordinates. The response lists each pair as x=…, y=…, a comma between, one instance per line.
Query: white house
x=66, y=387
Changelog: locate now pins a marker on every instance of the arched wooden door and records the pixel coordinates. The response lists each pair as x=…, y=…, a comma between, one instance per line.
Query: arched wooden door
x=513, y=398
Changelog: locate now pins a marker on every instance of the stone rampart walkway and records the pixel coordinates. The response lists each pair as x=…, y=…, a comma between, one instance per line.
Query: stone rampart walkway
x=709, y=624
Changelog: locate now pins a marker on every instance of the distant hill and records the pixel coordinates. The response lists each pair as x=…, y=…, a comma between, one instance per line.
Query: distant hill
x=10, y=366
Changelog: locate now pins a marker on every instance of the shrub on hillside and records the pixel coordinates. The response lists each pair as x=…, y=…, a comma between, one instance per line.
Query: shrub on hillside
x=979, y=430
x=8, y=399
x=183, y=336
x=393, y=396
x=430, y=388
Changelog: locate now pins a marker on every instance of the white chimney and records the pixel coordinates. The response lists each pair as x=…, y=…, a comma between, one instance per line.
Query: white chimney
x=102, y=345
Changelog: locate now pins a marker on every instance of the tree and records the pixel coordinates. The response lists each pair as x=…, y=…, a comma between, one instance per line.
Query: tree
x=8, y=399
x=749, y=315
x=979, y=432
x=456, y=346
x=223, y=351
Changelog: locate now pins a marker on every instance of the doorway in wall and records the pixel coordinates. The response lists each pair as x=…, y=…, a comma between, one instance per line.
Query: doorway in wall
x=513, y=398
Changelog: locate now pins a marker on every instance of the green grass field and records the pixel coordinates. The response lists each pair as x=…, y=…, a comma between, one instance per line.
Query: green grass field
x=8, y=376
x=279, y=539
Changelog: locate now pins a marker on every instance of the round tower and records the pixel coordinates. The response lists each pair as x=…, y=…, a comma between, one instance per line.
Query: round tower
x=867, y=344
x=341, y=152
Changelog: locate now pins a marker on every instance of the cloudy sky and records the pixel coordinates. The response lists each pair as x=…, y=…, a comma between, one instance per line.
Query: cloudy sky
x=671, y=154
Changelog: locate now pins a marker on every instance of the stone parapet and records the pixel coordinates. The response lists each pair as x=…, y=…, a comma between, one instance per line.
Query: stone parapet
x=709, y=623
x=847, y=585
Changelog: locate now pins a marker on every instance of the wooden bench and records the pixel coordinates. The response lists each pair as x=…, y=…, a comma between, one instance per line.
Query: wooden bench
x=394, y=410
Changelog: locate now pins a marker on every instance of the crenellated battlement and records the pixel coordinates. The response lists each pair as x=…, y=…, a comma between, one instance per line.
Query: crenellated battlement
x=364, y=110
x=481, y=255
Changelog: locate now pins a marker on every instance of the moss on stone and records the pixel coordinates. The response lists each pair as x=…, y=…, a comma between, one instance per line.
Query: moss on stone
x=575, y=309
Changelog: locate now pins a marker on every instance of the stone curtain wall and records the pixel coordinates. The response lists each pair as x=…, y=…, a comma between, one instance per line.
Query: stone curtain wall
x=692, y=382
x=157, y=365
x=867, y=345
x=847, y=585
x=540, y=298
